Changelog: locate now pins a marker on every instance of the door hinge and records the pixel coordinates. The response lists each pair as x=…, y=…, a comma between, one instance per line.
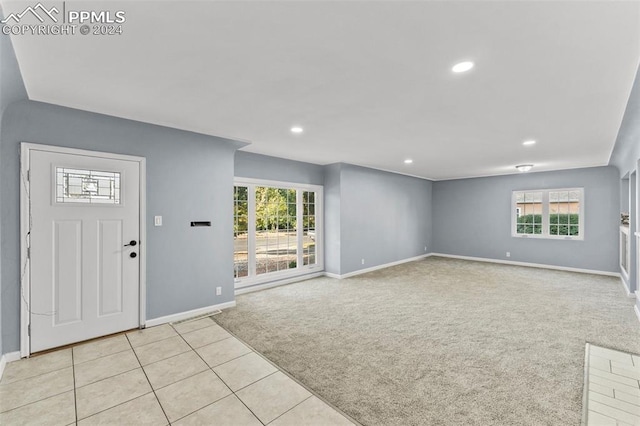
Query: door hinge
x=28, y=175
x=29, y=330
x=28, y=252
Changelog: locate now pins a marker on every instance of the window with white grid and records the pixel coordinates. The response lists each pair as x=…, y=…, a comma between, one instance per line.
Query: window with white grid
x=277, y=230
x=548, y=213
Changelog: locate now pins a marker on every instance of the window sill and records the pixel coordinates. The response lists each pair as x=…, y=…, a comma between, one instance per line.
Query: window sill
x=547, y=237
x=276, y=276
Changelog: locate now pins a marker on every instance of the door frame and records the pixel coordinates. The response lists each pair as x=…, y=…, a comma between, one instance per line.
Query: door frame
x=25, y=228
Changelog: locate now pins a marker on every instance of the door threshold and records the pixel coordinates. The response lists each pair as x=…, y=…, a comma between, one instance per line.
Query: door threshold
x=82, y=342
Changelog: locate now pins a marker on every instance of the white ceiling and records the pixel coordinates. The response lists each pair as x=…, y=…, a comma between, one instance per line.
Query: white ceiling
x=369, y=82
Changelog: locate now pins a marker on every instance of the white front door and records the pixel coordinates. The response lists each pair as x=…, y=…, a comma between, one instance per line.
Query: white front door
x=84, y=247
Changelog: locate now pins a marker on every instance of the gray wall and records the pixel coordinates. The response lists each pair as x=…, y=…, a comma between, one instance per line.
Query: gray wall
x=472, y=217
x=379, y=216
x=189, y=177
x=624, y=195
x=626, y=151
x=384, y=217
x=625, y=156
x=332, y=211
x=11, y=89
x=11, y=84
x=256, y=166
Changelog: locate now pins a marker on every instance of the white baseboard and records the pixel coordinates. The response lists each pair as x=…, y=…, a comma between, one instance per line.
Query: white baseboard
x=625, y=284
x=623, y=274
x=265, y=286
x=7, y=358
x=530, y=265
x=375, y=268
x=189, y=314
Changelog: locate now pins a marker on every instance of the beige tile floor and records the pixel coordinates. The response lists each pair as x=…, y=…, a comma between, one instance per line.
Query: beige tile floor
x=612, y=387
x=190, y=373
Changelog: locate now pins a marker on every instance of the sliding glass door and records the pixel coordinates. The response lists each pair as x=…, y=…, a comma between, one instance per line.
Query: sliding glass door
x=277, y=231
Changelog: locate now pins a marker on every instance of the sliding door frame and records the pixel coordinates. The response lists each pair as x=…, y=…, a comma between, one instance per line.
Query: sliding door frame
x=300, y=269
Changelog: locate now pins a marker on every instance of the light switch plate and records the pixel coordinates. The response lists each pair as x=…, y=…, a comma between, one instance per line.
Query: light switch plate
x=157, y=221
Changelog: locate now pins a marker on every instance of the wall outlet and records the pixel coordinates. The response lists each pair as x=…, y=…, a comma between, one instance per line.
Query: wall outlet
x=508, y=254
x=425, y=248
x=363, y=261
x=218, y=291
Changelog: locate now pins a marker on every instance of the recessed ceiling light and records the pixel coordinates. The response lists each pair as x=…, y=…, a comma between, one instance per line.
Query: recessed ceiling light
x=297, y=129
x=408, y=161
x=524, y=167
x=529, y=142
x=462, y=66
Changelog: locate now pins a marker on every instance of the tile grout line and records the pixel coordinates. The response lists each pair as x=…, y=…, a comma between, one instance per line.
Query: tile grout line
x=153, y=390
x=109, y=377
x=184, y=378
x=627, y=377
x=41, y=399
x=115, y=375
x=587, y=391
x=289, y=375
x=585, y=387
x=115, y=406
x=148, y=343
x=299, y=403
x=618, y=421
x=619, y=409
x=94, y=359
x=234, y=393
x=35, y=375
x=259, y=380
x=35, y=402
x=211, y=369
x=219, y=378
x=192, y=349
x=75, y=396
x=148, y=381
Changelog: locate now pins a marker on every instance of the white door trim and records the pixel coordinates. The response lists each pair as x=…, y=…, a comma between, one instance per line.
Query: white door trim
x=25, y=226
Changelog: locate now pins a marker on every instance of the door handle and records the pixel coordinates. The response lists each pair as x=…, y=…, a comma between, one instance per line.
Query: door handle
x=131, y=243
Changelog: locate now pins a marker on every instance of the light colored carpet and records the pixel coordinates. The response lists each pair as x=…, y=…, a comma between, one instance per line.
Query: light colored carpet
x=441, y=341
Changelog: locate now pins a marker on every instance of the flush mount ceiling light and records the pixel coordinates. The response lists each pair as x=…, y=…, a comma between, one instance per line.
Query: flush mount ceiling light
x=408, y=161
x=297, y=129
x=524, y=167
x=529, y=142
x=462, y=67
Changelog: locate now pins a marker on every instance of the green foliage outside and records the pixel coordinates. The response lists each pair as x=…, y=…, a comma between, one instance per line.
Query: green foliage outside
x=530, y=224
x=275, y=209
x=240, y=209
x=559, y=224
x=564, y=224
